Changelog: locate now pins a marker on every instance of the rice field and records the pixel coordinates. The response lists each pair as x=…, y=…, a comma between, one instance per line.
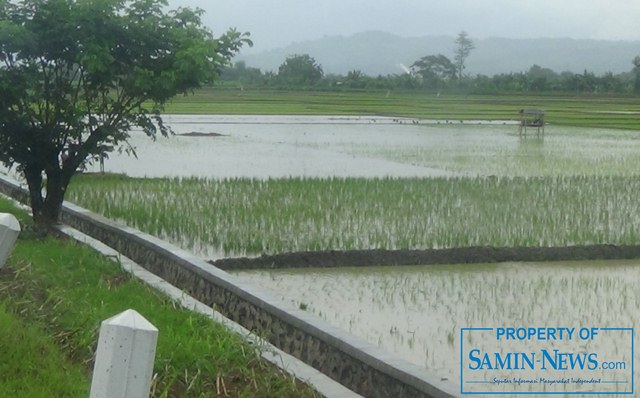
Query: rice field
x=242, y=216
x=378, y=183
x=417, y=312
x=356, y=146
x=570, y=110
x=563, y=151
x=271, y=184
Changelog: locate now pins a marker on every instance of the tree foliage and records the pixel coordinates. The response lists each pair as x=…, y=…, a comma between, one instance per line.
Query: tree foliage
x=464, y=45
x=435, y=70
x=77, y=75
x=300, y=70
x=636, y=72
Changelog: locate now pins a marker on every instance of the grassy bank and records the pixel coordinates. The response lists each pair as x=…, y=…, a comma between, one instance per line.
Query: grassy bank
x=53, y=295
x=587, y=111
x=241, y=216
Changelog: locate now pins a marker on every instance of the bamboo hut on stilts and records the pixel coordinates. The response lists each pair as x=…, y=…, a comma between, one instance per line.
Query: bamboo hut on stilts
x=533, y=118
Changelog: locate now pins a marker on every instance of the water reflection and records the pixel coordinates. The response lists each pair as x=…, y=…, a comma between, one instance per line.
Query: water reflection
x=417, y=312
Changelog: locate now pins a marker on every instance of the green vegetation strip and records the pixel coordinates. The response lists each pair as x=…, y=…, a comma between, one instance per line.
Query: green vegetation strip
x=586, y=111
x=53, y=295
x=247, y=216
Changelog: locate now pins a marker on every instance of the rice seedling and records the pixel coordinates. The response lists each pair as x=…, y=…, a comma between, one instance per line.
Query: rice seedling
x=248, y=217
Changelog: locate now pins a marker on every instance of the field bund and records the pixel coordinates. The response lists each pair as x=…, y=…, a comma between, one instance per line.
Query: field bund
x=354, y=363
x=461, y=255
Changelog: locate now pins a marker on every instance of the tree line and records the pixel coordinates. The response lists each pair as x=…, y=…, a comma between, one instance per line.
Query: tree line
x=435, y=72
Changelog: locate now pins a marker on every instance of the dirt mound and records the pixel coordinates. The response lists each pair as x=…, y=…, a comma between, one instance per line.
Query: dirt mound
x=466, y=255
x=201, y=134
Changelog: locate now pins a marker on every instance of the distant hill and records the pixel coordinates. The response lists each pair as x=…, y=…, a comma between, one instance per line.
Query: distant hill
x=379, y=53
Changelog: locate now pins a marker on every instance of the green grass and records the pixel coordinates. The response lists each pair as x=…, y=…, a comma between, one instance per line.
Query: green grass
x=591, y=111
x=33, y=365
x=55, y=293
x=246, y=216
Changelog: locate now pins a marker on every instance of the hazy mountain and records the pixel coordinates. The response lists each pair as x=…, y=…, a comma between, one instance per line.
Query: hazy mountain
x=379, y=53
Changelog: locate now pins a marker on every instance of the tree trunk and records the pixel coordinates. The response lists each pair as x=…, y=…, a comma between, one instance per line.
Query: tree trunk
x=46, y=209
x=33, y=175
x=55, y=197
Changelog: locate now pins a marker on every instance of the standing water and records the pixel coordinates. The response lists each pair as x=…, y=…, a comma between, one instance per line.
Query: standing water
x=417, y=312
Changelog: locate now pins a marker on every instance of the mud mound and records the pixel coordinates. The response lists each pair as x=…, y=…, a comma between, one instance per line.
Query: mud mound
x=201, y=134
x=466, y=255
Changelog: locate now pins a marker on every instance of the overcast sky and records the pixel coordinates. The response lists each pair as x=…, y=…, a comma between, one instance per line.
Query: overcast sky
x=277, y=23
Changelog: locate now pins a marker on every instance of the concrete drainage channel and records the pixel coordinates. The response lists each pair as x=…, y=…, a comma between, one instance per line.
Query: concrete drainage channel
x=354, y=363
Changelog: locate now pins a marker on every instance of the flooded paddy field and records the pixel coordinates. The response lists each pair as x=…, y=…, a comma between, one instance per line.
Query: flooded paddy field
x=273, y=147
x=313, y=146
x=278, y=184
x=417, y=312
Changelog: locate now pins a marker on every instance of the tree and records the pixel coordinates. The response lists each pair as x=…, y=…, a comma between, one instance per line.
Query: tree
x=300, y=70
x=636, y=72
x=610, y=83
x=356, y=79
x=242, y=74
x=77, y=75
x=434, y=69
x=540, y=79
x=464, y=45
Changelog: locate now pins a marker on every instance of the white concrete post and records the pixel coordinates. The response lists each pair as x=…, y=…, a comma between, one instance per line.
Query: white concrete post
x=125, y=356
x=9, y=231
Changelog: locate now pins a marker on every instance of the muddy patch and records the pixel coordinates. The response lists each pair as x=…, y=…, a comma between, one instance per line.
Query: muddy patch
x=201, y=134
